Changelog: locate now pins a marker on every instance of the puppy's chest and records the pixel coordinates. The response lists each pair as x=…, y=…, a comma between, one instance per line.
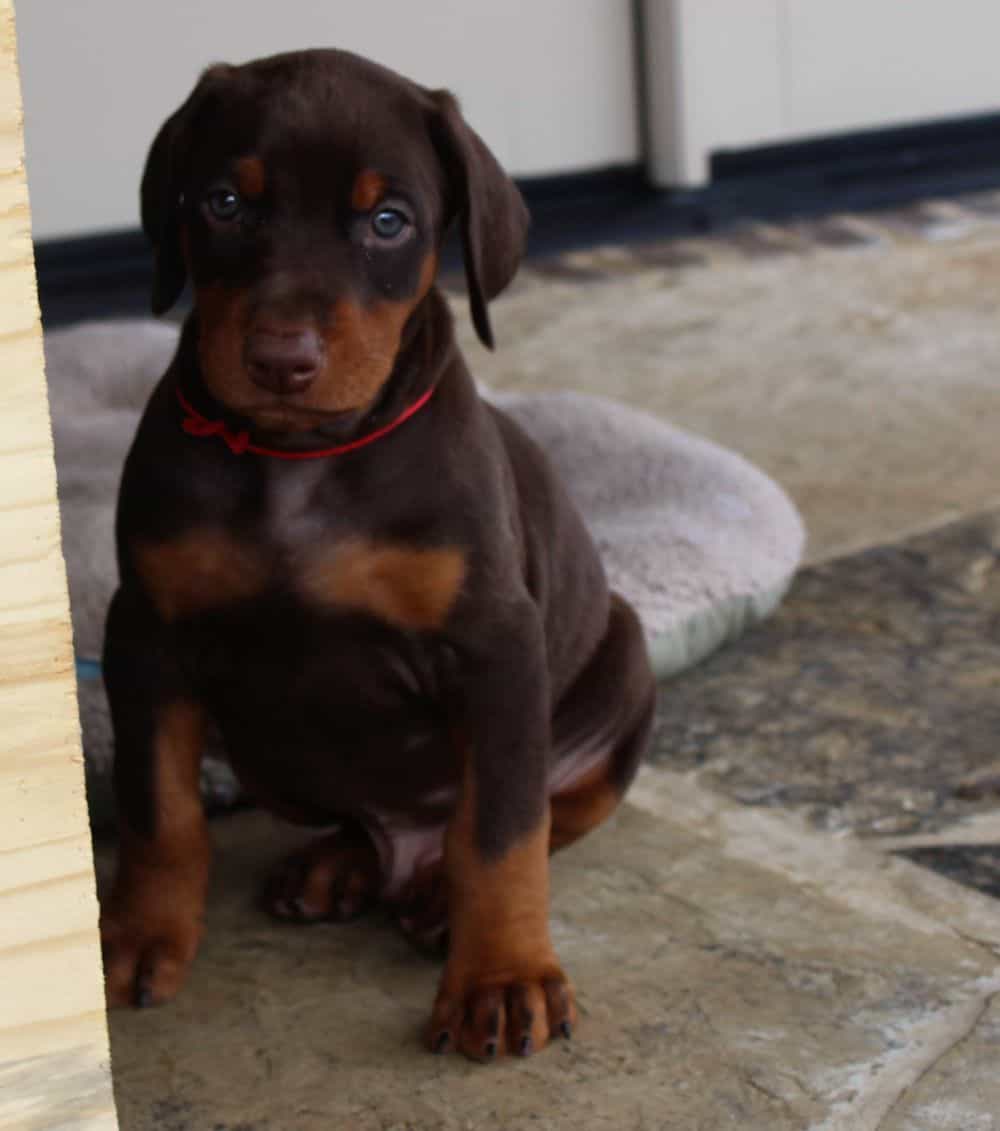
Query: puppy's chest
x=307, y=547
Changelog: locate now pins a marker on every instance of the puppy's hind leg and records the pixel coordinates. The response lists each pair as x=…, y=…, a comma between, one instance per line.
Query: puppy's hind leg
x=601, y=728
x=360, y=863
x=334, y=879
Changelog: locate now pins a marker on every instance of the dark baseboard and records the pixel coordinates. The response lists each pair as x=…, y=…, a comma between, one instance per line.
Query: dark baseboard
x=890, y=152
x=97, y=276
x=856, y=172
x=105, y=275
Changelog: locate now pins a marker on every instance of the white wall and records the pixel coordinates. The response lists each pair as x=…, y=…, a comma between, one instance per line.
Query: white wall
x=737, y=73
x=550, y=83
x=848, y=64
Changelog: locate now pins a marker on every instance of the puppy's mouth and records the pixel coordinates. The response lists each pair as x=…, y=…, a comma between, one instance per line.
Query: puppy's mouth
x=281, y=416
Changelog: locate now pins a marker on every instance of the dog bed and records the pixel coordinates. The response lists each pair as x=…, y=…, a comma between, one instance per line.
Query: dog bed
x=699, y=540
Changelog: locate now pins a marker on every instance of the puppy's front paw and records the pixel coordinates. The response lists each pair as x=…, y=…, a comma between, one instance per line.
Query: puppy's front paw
x=485, y=1016
x=146, y=957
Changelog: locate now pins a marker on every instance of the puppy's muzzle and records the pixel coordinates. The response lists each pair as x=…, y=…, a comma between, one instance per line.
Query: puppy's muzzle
x=284, y=361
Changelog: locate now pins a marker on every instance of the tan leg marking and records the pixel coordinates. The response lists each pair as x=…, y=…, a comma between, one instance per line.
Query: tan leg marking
x=502, y=987
x=153, y=922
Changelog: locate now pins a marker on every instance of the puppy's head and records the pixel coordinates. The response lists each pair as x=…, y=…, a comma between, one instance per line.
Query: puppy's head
x=306, y=197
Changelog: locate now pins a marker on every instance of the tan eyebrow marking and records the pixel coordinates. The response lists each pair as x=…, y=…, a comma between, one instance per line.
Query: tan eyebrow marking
x=369, y=188
x=250, y=177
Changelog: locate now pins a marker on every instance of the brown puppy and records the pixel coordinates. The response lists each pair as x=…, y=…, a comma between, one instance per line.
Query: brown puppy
x=330, y=547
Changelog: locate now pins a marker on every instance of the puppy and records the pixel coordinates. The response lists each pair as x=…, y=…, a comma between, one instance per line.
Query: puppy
x=367, y=579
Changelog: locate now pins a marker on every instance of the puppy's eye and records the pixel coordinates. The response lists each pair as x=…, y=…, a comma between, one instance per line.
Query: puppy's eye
x=387, y=223
x=224, y=204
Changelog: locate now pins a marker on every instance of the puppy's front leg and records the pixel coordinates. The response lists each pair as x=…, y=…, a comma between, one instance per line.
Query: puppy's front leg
x=502, y=989
x=152, y=924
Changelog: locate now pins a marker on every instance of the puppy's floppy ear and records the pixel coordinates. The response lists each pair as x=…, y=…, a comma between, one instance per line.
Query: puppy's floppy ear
x=492, y=215
x=160, y=194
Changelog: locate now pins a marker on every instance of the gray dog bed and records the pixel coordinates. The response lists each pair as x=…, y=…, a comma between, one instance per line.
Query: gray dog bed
x=700, y=541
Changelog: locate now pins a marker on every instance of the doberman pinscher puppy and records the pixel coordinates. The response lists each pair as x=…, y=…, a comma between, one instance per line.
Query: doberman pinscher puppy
x=331, y=549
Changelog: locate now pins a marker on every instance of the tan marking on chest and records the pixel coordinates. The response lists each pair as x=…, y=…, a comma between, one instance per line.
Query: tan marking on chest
x=201, y=569
x=409, y=587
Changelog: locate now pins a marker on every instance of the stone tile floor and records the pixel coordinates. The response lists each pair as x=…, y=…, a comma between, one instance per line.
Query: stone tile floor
x=850, y=357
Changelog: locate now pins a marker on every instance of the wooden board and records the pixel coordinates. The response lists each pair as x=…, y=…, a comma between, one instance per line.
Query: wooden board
x=54, y=1063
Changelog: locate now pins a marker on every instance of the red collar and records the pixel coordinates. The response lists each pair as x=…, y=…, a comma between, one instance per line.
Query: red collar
x=194, y=424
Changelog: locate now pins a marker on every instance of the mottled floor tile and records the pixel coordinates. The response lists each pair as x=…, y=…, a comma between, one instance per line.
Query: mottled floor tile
x=839, y=232
x=761, y=241
x=871, y=699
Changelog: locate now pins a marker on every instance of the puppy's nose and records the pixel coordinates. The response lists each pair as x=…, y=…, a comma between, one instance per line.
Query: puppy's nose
x=284, y=361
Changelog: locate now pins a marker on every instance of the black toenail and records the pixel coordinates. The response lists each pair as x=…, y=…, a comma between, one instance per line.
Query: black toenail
x=566, y=1029
x=527, y=1048
x=491, y=1049
x=442, y=1042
